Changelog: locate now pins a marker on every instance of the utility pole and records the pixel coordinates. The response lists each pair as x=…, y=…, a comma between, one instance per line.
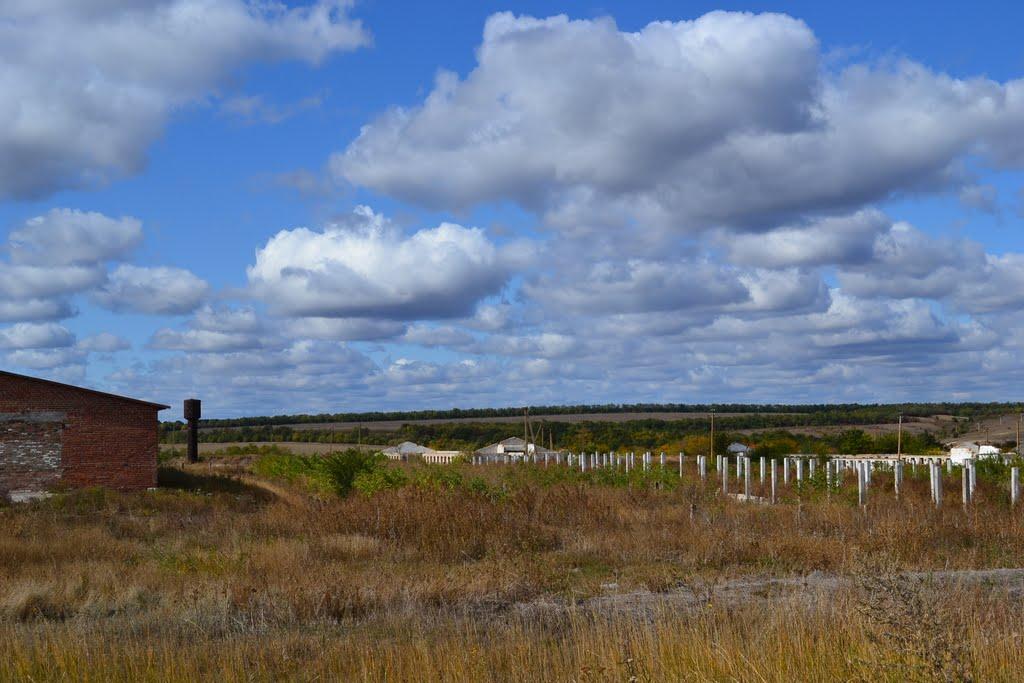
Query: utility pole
x=899, y=438
x=712, y=432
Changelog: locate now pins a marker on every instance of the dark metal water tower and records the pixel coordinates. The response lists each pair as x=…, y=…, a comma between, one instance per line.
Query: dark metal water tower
x=193, y=411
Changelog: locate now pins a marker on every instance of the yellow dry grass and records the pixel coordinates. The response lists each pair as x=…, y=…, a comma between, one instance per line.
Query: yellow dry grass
x=569, y=582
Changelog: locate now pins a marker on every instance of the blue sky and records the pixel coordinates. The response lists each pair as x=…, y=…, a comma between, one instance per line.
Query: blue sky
x=328, y=206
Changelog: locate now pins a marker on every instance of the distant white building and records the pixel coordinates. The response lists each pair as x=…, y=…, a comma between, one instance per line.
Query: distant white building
x=737, y=448
x=404, y=450
x=968, y=450
x=441, y=457
x=512, y=448
x=407, y=450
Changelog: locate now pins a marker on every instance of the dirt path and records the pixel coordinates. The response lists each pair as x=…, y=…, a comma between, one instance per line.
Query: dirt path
x=741, y=590
x=211, y=471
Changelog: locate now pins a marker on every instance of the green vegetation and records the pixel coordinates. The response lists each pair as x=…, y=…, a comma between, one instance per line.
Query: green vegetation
x=336, y=472
x=168, y=454
x=353, y=470
x=689, y=436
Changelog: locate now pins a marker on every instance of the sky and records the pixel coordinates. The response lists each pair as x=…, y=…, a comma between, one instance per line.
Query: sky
x=333, y=206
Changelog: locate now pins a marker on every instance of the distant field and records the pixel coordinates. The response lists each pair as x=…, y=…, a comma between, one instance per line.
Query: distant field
x=298, y=447
x=392, y=425
x=935, y=424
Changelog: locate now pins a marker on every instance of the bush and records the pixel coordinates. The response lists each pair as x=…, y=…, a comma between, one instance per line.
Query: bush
x=438, y=477
x=343, y=468
x=336, y=472
x=379, y=479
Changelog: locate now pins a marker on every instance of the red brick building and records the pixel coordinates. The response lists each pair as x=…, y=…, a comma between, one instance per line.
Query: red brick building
x=56, y=434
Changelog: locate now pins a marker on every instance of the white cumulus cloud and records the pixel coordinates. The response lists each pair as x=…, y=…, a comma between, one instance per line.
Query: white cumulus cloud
x=89, y=85
x=158, y=291
x=35, y=336
x=729, y=119
x=366, y=268
x=69, y=237
x=104, y=342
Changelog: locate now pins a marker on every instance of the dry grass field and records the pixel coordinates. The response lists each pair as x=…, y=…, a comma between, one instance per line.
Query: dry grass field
x=507, y=574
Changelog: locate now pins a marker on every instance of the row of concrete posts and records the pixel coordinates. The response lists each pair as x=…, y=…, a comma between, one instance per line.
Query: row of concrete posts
x=743, y=467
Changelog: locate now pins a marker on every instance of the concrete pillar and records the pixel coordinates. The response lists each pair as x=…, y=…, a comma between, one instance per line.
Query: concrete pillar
x=965, y=487
x=774, y=468
x=862, y=489
x=1014, y=485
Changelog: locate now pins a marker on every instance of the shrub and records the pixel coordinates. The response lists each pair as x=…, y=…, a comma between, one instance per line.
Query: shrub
x=438, y=477
x=343, y=468
x=378, y=479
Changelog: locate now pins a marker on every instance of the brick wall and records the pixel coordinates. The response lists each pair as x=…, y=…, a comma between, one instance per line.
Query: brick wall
x=30, y=451
x=105, y=440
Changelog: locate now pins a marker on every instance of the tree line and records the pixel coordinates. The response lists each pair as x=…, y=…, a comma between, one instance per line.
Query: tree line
x=811, y=414
x=689, y=436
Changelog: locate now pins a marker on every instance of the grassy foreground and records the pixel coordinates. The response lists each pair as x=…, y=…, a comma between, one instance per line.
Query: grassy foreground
x=505, y=574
